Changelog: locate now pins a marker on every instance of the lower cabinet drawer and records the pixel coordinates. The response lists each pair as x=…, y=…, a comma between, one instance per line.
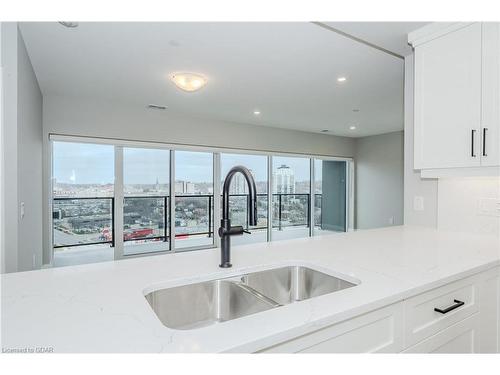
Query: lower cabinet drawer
x=437, y=309
x=462, y=337
x=377, y=331
x=459, y=317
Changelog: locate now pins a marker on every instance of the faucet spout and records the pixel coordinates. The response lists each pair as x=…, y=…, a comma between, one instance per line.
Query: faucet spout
x=226, y=230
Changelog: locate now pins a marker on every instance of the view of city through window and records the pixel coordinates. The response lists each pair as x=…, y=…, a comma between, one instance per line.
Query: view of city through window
x=84, y=199
x=238, y=201
x=146, y=182
x=83, y=202
x=291, y=197
x=194, y=189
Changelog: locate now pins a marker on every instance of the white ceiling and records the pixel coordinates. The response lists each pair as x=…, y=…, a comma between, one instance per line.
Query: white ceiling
x=286, y=70
x=392, y=36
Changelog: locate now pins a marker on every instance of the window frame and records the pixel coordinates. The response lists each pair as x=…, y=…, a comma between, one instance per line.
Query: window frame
x=119, y=144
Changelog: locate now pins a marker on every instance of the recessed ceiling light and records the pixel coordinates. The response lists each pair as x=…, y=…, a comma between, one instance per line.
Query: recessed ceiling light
x=189, y=81
x=352, y=127
x=256, y=112
x=341, y=79
x=69, y=24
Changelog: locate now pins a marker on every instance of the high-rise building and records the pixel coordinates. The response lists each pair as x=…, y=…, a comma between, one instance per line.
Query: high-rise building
x=179, y=187
x=239, y=184
x=189, y=188
x=184, y=187
x=284, y=180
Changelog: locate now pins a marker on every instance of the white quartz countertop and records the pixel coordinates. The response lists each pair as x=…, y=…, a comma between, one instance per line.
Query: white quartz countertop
x=101, y=307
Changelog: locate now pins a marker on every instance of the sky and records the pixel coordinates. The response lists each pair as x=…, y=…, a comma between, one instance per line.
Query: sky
x=84, y=163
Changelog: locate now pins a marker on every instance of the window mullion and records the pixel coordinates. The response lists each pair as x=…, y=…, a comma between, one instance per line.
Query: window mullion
x=172, y=202
x=269, y=198
x=217, y=199
x=118, y=209
x=312, y=196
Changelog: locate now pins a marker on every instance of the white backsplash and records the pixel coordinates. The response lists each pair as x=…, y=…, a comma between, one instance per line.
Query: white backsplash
x=469, y=204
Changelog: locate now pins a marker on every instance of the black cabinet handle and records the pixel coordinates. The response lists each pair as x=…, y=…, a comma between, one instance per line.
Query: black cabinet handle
x=472, y=151
x=484, y=141
x=453, y=307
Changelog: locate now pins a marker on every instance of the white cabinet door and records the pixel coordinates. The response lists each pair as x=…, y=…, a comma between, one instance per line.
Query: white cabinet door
x=448, y=100
x=462, y=337
x=490, y=131
x=379, y=331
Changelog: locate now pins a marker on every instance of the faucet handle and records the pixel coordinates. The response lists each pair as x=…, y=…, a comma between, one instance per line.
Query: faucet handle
x=237, y=230
x=246, y=231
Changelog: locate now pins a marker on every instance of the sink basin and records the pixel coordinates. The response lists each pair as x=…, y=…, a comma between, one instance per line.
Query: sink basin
x=294, y=283
x=199, y=305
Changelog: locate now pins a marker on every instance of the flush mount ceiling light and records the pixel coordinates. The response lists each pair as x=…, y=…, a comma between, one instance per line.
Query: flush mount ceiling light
x=188, y=81
x=256, y=112
x=341, y=79
x=69, y=24
x=352, y=127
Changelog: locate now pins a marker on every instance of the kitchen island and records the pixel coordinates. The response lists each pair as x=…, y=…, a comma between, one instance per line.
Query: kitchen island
x=102, y=307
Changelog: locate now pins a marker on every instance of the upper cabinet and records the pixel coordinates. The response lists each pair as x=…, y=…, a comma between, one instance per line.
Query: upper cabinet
x=490, y=105
x=457, y=100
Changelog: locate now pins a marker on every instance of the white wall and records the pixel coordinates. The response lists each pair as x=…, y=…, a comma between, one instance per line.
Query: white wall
x=98, y=118
x=9, y=149
x=414, y=186
x=29, y=161
x=379, y=181
x=2, y=185
x=21, y=154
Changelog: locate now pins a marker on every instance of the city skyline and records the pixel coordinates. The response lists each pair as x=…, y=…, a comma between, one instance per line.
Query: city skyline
x=85, y=163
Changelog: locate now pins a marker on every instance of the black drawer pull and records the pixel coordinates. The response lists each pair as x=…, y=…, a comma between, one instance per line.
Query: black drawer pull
x=453, y=307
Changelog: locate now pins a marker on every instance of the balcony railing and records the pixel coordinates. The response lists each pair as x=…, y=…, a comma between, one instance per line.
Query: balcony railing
x=83, y=221
x=146, y=218
x=91, y=221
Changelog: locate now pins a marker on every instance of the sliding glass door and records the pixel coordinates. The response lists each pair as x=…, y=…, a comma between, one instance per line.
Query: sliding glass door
x=146, y=191
x=194, y=199
x=330, y=196
x=83, y=203
x=111, y=201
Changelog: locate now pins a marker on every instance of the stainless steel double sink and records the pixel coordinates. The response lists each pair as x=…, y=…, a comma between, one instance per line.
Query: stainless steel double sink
x=210, y=302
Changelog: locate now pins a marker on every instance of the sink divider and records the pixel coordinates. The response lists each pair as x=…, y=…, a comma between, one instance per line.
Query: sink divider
x=257, y=294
